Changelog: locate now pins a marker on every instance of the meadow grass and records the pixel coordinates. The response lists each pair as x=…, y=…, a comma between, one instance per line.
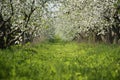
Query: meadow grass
x=61, y=61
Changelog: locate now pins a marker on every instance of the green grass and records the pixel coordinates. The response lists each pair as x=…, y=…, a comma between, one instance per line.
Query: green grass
x=61, y=61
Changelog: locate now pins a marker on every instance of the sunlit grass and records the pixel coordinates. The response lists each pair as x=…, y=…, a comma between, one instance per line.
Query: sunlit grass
x=61, y=61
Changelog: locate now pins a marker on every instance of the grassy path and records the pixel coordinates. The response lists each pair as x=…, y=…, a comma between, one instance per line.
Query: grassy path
x=61, y=61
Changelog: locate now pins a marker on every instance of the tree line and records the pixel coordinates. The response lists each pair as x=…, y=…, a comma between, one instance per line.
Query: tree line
x=22, y=21
x=91, y=20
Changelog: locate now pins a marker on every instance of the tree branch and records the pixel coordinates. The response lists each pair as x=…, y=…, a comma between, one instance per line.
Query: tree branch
x=29, y=15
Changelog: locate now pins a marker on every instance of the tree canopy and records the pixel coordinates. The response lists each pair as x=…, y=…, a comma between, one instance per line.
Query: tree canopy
x=23, y=20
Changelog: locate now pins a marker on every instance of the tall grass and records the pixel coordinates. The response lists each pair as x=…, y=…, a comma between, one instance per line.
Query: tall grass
x=61, y=61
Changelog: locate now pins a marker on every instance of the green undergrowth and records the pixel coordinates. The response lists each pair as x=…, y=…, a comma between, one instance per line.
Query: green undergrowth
x=61, y=61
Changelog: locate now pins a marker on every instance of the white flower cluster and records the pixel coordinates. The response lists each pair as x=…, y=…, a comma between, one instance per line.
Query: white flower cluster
x=85, y=15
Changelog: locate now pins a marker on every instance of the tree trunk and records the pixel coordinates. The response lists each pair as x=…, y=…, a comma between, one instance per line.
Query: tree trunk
x=115, y=40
